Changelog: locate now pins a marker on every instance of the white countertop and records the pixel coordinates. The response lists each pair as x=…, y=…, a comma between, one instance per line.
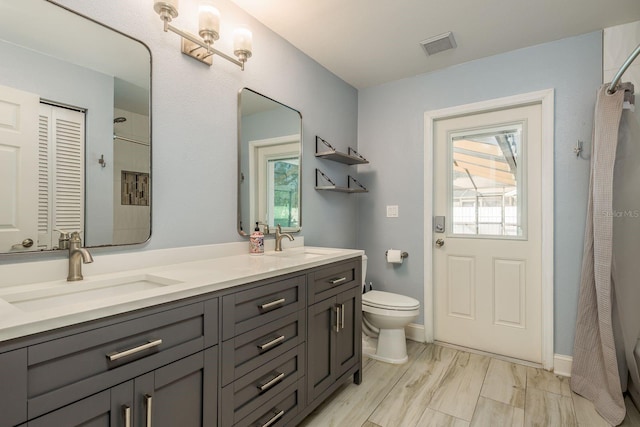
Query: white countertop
x=167, y=283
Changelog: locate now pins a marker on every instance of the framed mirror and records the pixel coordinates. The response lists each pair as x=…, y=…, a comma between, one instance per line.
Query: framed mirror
x=269, y=164
x=75, y=135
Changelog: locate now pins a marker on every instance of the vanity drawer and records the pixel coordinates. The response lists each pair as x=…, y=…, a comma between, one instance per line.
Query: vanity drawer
x=69, y=368
x=246, y=352
x=255, y=307
x=329, y=281
x=244, y=396
x=279, y=411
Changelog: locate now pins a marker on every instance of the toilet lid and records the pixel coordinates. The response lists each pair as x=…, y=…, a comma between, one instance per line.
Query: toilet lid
x=389, y=301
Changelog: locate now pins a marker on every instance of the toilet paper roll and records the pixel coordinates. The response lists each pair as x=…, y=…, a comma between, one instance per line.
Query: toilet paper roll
x=394, y=256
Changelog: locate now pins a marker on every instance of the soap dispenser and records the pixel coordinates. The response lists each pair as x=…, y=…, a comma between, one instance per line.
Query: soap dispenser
x=256, y=241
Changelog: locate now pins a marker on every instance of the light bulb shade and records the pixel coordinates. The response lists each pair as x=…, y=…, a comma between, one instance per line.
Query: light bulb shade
x=208, y=18
x=242, y=41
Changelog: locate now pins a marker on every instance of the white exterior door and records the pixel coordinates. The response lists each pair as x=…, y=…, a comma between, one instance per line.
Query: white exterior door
x=487, y=280
x=18, y=169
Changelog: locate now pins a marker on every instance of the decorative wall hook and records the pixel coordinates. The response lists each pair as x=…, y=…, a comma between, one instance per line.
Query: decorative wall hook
x=101, y=160
x=578, y=148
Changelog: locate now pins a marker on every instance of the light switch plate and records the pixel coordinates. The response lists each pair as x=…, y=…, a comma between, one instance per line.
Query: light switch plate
x=392, y=211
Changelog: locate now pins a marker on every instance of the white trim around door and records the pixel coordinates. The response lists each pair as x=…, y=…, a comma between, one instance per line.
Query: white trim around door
x=546, y=99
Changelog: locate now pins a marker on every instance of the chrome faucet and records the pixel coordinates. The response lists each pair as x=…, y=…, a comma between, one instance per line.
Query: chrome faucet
x=279, y=236
x=77, y=256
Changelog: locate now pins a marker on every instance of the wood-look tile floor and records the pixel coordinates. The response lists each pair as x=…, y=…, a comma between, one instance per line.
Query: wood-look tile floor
x=441, y=386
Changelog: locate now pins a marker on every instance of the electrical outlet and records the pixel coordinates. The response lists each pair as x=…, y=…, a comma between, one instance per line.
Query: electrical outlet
x=392, y=211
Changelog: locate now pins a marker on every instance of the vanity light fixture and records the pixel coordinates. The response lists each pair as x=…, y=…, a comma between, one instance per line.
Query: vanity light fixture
x=201, y=48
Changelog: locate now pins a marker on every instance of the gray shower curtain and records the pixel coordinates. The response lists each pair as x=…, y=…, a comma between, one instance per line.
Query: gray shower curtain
x=594, y=373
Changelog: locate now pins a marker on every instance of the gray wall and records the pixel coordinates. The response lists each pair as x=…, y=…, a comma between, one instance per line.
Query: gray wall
x=391, y=136
x=194, y=119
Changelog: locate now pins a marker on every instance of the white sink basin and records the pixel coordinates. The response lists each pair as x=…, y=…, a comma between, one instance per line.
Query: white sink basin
x=302, y=253
x=75, y=292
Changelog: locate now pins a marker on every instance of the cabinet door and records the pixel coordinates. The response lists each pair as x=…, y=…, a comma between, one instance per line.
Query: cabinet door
x=182, y=393
x=349, y=341
x=321, y=342
x=94, y=411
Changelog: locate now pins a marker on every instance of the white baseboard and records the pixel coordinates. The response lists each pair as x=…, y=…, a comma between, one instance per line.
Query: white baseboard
x=414, y=332
x=562, y=365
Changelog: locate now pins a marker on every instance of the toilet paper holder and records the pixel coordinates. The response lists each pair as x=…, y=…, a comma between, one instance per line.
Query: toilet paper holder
x=402, y=255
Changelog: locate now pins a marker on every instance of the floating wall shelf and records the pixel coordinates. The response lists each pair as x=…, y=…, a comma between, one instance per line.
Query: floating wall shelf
x=358, y=188
x=352, y=157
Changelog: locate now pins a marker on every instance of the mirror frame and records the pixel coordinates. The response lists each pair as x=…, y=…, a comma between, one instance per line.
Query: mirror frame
x=241, y=177
x=86, y=160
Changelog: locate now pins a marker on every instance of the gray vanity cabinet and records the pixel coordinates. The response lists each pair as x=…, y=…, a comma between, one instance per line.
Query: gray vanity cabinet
x=334, y=339
x=263, y=353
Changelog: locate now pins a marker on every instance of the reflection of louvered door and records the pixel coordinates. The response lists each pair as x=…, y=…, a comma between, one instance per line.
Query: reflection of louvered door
x=61, y=173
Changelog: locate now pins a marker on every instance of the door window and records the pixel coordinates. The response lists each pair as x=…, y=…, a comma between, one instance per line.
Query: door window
x=486, y=197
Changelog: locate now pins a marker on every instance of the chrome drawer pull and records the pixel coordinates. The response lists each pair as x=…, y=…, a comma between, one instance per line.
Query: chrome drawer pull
x=127, y=415
x=275, y=418
x=268, y=345
x=148, y=400
x=342, y=316
x=266, y=386
x=337, y=318
x=120, y=354
x=338, y=280
x=272, y=304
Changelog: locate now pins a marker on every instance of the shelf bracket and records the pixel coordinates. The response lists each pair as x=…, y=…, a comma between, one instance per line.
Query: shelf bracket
x=354, y=153
x=351, y=179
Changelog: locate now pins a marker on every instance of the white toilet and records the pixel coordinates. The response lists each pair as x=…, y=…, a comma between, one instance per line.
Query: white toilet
x=387, y=314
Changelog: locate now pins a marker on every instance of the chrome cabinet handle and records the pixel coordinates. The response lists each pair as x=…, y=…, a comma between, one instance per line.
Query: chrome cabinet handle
x=439, y=243
x=148, y=400
x=272, y=304
x=120, y=354
x=337, y=318
x=342, y=316
x=126, y=412
x=275, y=418
x=26, y=243
x=266, y=386
x=337, y=280
x=273, y=342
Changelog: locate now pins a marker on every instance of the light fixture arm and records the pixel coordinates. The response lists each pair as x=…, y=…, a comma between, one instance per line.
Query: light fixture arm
x=201, y=44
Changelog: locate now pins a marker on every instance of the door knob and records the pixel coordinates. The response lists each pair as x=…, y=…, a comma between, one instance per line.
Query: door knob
x=439, y=243
x=26, y=243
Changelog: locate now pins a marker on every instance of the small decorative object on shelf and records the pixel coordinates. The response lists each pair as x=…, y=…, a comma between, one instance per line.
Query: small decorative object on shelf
x=352, y=157
x=359, y=188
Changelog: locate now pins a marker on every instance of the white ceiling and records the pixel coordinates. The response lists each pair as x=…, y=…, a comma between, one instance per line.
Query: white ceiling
x=370, y=42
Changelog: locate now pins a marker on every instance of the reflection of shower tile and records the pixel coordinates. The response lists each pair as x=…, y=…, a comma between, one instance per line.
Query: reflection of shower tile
x=135, y=188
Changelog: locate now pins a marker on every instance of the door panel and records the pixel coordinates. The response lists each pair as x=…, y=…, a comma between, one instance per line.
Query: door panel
x=487, y=281
x=18, y=168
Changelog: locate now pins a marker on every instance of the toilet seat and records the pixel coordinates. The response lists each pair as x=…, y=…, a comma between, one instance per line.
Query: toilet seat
x=389, y=301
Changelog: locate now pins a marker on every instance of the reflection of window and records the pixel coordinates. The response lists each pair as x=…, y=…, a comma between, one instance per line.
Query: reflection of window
x=274, y=187
x=282, y=192
x=487, y=182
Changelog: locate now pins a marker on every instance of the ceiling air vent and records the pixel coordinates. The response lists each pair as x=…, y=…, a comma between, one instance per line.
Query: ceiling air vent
x=438, y=43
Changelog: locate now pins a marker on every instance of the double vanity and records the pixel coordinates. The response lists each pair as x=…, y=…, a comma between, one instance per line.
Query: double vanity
x=221, y=340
